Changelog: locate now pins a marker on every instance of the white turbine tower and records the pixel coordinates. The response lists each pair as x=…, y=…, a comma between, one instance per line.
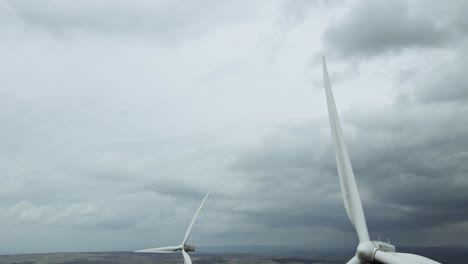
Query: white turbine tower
x=183, y=247
x=367, y=251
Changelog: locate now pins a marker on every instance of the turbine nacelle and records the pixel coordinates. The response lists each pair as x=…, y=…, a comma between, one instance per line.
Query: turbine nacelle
x=188, y=248
x=385, y=247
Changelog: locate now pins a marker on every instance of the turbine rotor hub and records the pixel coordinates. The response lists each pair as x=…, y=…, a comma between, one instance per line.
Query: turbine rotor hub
x=366, y=251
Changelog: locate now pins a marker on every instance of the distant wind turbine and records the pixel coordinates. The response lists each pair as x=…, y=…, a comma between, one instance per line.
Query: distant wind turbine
x=183, y=247
x=367, y=251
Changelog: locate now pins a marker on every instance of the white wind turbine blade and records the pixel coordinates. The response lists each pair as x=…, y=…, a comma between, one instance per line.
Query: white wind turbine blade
x=189, y=229
x=187, y=259
x=354, y=260
x=349, y=190
x=159, y=250
x=401, y=258
x=367, y=251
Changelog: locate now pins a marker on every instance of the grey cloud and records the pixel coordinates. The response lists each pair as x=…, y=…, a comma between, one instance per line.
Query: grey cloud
x=291, y=173
x=446, y=82
x=409, y=161
x=106, y=213
x=112, y=139
x=173, y=188
x=374, y=27
x=165, y=21
x=415, y=164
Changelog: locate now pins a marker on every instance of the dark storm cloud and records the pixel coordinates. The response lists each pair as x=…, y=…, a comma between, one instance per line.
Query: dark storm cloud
x=409, y=159
x=374, y=27
x=414, y=163
x=292, y=173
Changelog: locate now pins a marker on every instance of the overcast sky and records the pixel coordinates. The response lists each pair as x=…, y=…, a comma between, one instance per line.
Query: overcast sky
x=118, y=116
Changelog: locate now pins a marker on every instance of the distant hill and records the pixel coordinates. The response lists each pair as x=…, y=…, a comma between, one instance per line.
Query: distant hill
x=230, y=255
x=446, y=254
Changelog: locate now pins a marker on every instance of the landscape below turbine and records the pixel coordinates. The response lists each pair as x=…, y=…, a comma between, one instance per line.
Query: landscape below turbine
x=183, y=247
x=367, y=251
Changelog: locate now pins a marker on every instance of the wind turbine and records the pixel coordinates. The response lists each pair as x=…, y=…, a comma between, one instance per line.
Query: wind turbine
x=183, y=247
x=367, y=251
